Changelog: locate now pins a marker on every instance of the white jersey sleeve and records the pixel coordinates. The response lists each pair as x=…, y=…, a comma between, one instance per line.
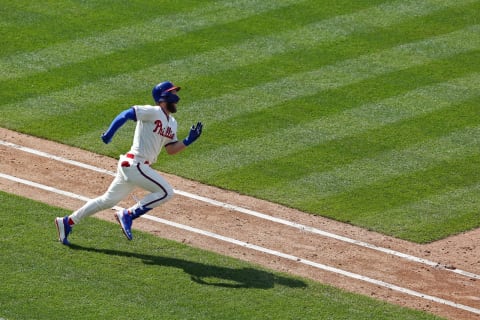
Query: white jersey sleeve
x=153, y=131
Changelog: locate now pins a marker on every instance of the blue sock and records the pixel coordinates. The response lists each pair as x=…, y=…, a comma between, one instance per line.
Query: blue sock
x=139, y=212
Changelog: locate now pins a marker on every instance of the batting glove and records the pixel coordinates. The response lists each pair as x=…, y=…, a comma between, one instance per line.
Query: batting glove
x=195, y=132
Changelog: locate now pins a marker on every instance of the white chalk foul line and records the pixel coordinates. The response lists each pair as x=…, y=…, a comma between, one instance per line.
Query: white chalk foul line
x=259, y=215
x=262, y=249
x=330, y=235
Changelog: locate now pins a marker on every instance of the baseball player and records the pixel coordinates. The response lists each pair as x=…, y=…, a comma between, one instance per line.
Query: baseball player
x=155, y=128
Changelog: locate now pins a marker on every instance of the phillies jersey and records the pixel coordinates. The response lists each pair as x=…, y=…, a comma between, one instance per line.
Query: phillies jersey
x=153, y=131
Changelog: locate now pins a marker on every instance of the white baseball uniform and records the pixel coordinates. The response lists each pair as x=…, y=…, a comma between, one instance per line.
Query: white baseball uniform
x=154, y=130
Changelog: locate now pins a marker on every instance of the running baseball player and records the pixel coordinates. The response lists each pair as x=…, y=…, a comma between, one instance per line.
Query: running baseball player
x=155, y=128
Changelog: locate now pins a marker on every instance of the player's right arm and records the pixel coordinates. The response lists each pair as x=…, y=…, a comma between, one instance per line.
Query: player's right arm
x=193, y=135
x=119, y=121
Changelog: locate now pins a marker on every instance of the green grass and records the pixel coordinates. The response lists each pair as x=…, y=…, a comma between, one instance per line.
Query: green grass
x=104, y=276
x=326, y=106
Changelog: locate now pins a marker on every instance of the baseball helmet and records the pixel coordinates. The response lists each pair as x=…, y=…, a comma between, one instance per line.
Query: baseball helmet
x=163, y=92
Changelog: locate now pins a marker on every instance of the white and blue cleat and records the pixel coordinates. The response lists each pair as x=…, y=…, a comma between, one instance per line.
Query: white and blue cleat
x=63, y=229
x=125, y=221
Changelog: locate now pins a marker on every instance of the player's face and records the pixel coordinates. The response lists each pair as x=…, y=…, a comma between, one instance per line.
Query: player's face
x=171, y=107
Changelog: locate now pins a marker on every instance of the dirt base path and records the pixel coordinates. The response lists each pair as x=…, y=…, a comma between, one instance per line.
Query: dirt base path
x=457, y=252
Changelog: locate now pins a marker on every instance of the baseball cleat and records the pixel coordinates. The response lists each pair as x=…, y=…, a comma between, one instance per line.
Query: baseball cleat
x=125, y=220
x=63, y=229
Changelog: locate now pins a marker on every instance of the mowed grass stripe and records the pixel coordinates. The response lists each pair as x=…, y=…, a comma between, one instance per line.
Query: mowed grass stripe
x=262, y=70
x=160, y=29
x=456, y=145
x=263, y=96
x=276, y=175
x=31, y=26
x=244, y=53
x=309, y=36
x=340, y=74
x=370, y=205
x=445, y=207
x=351, y=123
x=330, y=77
x=181, y=48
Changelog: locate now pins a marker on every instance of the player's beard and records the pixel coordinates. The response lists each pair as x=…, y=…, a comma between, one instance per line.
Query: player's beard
x=171, y=107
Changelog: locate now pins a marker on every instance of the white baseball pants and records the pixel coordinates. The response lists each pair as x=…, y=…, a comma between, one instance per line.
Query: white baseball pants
x=131, y=173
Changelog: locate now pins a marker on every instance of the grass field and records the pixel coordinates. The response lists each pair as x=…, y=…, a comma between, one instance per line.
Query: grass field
x=362, y=111
x=104, y=276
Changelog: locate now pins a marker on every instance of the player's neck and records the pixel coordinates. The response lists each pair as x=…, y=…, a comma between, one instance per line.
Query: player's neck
x=165, y=110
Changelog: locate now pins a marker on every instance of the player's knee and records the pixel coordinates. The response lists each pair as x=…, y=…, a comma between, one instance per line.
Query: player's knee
x=160, y=197
x=166, y=195
x=169, y=194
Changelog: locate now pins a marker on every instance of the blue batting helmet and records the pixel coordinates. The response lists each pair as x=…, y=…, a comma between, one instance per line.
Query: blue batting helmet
x=163, y=92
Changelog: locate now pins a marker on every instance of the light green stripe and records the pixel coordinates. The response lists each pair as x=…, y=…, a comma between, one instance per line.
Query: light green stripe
x=155, y=30
x=250, y=51
x=267, y=95
x=390, y=164
x=349, y=123
x=340, y=74
x=312, y=35
x=462, y=200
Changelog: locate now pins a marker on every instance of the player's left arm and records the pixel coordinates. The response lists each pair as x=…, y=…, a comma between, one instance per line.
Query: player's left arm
x=178, y=146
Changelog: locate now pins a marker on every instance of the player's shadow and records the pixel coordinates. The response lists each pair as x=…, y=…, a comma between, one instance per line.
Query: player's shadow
x=206, y=274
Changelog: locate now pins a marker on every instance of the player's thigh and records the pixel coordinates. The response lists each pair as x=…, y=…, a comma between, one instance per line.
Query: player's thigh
x=118, y=189
x=150, y=180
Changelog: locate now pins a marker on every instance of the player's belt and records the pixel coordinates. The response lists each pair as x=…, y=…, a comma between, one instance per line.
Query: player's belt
x=132, y=156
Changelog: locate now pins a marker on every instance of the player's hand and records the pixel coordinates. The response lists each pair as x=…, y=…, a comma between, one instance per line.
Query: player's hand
x=106, y=139
x=195, y=132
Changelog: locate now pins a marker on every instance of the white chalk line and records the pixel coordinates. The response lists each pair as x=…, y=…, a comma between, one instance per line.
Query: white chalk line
x=259, y=215
x=262, y=249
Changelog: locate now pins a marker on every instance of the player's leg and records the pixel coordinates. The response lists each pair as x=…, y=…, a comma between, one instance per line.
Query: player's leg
x=160, y=190
x=118, y=189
